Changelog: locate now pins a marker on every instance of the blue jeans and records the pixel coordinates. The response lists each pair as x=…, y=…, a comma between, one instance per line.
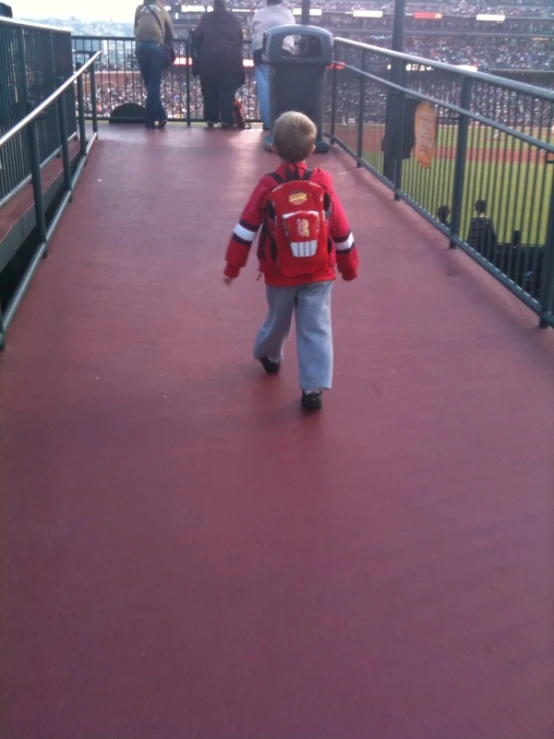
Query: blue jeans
x=150, y=56
x=311, y=305
x=262, y=88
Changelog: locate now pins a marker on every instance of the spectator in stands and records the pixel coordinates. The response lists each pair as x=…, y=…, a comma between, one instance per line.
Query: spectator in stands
x=273, y=14
x=152, y=27
x=219, y=42
x=443, y=214
x=482, y=236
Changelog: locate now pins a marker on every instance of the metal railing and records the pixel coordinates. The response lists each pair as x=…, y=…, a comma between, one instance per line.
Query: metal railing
x=491, y=141
x=32, y=60
x=29, y=128
x=119, y=81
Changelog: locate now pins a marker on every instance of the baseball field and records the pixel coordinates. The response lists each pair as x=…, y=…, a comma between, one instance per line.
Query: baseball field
x=512, y=176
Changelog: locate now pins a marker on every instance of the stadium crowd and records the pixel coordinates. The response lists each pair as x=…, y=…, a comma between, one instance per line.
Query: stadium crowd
x=513, y=8
x=456, y=46
x=174, y=97
x=483, y=53
x=516, y=110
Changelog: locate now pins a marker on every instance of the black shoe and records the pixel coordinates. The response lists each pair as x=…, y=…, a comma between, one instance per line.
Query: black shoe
x=226, y=126
x=162, y=124
x=312, y=401
x=271, y=367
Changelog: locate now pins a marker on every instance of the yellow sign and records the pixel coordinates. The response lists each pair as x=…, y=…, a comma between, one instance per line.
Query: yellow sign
x=425, y=133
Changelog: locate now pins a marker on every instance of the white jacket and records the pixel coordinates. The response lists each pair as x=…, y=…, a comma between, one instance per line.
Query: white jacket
x=268, y=17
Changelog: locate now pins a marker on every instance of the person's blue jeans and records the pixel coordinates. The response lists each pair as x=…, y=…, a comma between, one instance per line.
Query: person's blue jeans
x=150, y=56
x=262, y=88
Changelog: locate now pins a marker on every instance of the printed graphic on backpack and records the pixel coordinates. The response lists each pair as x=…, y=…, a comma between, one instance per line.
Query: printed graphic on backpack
x=302, y=230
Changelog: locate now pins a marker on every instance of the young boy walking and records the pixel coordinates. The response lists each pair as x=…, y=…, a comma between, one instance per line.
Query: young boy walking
x=304, y=236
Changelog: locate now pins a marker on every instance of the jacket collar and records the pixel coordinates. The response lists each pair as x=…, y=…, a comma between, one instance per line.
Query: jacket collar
x=285, y=167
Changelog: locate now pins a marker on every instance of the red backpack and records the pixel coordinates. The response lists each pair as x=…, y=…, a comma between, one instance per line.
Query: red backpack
x=297, y=222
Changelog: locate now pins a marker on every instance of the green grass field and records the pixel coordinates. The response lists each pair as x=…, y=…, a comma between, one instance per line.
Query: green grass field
x=508, y=174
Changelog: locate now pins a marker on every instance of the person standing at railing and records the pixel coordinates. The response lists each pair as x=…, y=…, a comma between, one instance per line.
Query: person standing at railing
x=482, y=235
x=218, y=41
x=272, y=15
x=152, y=27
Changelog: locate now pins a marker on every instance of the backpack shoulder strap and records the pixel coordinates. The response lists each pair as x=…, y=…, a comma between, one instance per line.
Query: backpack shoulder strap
x=307, y=174
x=277, y=177
x=157, y=18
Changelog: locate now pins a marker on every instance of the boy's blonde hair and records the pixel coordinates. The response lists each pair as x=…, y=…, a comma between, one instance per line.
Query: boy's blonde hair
x=294, y=136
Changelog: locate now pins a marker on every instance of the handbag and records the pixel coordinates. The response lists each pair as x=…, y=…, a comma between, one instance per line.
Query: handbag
x=238, y=116
x=169, y=51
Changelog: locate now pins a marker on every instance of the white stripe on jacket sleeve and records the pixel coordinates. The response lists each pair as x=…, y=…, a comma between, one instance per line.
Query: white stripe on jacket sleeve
x=345, y=244
x=244, y=233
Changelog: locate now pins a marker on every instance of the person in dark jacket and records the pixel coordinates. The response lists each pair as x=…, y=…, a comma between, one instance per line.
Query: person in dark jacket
x=482, y=236
x=443, y=214
x=218, y=38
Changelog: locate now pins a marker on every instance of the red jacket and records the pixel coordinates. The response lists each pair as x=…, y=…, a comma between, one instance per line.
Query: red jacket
x=344, y=254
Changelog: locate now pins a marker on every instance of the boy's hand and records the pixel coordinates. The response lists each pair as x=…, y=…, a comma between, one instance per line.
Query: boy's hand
x=228, y=281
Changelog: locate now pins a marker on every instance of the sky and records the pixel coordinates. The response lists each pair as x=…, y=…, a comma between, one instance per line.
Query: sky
x=117, y=10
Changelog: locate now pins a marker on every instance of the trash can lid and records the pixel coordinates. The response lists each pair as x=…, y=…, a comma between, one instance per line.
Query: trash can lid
x=312, y=45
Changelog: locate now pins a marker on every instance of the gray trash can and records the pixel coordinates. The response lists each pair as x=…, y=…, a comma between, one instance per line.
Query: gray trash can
x=297, y=81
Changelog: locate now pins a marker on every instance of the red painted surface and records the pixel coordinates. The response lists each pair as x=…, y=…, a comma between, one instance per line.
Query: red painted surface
x=184, y=555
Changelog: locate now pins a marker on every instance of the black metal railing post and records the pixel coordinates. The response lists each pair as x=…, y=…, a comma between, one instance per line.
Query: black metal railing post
x=187, y=73
x=392, y=164
x=333, y=95
x=34, y=155
x=81, y=106
x=460, y=163
x=55, y=81
x=23, y=63
x=399, y=146
x=62, y=122
x=93, y=100
x=2, y=332
x=360, y=146
x=402, y=133
x=546, y=288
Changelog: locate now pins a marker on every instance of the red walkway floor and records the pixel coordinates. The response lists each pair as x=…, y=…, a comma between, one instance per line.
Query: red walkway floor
x=183, y=555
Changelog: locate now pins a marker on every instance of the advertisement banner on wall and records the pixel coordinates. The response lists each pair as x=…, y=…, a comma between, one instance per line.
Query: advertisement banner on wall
x=425, y=125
